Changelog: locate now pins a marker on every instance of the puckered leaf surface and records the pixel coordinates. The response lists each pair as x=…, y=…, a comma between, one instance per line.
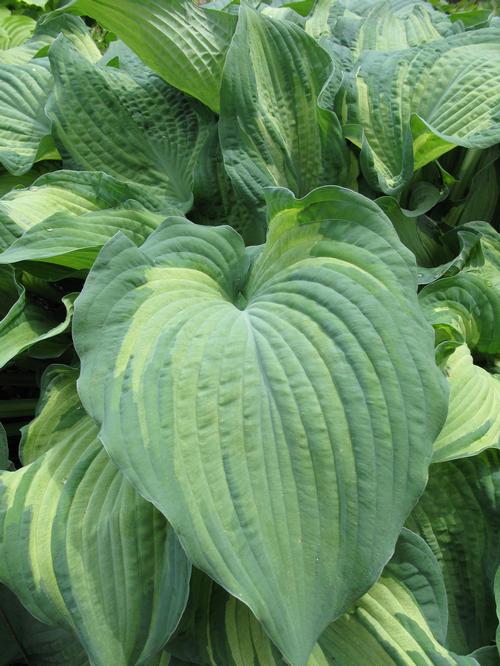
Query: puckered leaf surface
x=273, y=127
x=135, y=129
x=258, y=405
x=408, y=107
x=184, y=43
x=383, y=25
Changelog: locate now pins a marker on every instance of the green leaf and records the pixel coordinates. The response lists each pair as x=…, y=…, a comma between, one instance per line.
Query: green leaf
x=8, y=182
x=407, y=108
x=26, y=640
x=287, y=383
x=47, y=29
x=75, y=241
x=184, y=43
x=83, y=550
x=377, y=26
x=71, y=192
x=59, y=413
x=466, y=307
x=486, y=656
x=394, y=623
x=274, y=127
x=400, y=621
x=23, y=124
x=14, y=30
x=458, y=517
x=135, y=129
x=216, y=628
x=24, y=322
x=473, y=421
x=217, y=202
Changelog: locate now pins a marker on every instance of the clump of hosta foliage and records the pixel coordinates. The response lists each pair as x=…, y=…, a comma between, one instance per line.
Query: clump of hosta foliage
x=249, y=333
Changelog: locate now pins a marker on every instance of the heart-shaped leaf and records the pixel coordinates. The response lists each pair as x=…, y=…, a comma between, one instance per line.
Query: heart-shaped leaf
x=259, y=407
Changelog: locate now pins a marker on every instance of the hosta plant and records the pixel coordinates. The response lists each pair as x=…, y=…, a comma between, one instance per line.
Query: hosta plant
x=249, y=333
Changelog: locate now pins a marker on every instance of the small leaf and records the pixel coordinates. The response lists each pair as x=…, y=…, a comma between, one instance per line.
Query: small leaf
x=473, y=421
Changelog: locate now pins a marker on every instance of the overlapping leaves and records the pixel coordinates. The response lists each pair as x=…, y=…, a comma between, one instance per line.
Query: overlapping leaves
x=256, y=366
x=238, y=335
x=69, y=519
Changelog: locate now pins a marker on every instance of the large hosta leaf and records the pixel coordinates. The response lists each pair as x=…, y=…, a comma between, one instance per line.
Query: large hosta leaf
x=459, y=517
x=73, y=193
x=83, y=550
x=273, y=128
x=134, y=129
x=182, y=42
x=287, y=383
x=408, y=107
x=400, y=621
x=473, y=421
